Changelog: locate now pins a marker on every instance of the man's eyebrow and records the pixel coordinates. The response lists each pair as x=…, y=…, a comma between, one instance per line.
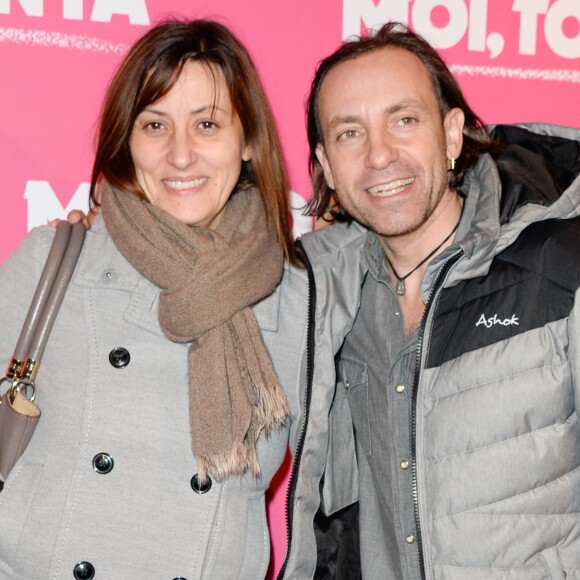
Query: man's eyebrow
x=339, y=120
x=407, y=104
x=395, y=108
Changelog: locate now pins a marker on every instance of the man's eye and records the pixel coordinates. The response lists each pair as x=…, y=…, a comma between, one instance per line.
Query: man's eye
x=348, y=134
x=406, y=121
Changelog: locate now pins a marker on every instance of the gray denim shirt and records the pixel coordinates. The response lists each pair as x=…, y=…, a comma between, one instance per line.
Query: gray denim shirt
x=376, y=368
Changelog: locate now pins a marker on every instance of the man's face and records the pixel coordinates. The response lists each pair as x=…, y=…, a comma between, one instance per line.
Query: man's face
x=386, y=147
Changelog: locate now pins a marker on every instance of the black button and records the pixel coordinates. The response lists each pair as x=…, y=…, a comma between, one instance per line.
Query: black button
x=84, y=571
x=103, y=463
x=198, y=487
x=119, y=357
x=180, y=578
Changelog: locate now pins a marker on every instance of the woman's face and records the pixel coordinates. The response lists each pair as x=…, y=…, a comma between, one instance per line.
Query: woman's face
x=188, y=147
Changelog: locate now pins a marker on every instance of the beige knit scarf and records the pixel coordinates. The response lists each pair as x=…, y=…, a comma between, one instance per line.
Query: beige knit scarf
x=209, y=280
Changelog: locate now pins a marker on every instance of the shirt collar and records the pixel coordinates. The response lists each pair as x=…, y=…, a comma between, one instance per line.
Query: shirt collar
x=375, y=258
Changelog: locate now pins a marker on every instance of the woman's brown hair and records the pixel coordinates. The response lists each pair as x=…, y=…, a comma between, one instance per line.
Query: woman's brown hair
x=148, y=73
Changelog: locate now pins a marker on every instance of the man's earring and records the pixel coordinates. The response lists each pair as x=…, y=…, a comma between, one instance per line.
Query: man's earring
x=452, y=162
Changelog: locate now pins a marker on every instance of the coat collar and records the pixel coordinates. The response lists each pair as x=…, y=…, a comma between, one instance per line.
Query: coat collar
x=107, y=269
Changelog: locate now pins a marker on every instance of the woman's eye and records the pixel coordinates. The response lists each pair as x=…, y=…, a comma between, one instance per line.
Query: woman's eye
x=153, y=125
x=208, y=125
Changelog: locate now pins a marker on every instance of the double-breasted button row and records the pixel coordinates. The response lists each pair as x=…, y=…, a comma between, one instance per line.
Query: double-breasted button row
x=119, y=357
x=103, y=463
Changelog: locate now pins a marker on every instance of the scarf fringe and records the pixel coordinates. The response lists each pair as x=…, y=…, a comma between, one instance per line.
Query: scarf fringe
x=272, y=410
x=271, y=414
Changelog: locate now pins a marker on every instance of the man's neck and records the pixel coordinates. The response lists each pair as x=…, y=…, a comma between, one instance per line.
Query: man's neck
x=406, y=253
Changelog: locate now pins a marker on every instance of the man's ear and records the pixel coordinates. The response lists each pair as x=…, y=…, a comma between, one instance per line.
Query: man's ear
x=453, y=124
x=323, y=160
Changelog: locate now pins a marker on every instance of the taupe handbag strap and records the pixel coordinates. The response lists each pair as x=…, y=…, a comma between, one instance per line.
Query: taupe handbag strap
x=54, y=280
x=45, y=283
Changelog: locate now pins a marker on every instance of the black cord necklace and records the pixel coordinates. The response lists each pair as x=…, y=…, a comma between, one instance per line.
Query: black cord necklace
x=401, y=287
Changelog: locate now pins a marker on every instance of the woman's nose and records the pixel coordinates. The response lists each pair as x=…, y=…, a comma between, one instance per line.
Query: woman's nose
x=181, y=150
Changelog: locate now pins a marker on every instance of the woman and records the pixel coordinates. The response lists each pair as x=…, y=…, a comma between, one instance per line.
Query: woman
x=163, y=420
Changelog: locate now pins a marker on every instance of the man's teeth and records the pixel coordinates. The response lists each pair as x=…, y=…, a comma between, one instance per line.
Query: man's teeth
x=390, y=188
x=185, y=184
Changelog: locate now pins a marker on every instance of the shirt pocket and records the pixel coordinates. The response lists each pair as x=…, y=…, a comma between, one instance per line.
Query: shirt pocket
x=353, y=376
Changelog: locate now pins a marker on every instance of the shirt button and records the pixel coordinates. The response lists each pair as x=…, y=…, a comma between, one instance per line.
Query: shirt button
x=84, y=571
x=400, y=389
x=404, y=464
x=119, y=357
x=103, y=463
x=409, y=538
x=198, y=487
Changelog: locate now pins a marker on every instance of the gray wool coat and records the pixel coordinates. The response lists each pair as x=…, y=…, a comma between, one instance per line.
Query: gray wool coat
x=114, y=393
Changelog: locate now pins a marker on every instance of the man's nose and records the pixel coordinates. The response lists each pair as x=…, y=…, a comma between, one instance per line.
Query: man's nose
x=381, y=149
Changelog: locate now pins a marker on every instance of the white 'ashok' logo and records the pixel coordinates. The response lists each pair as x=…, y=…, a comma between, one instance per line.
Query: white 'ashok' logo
x=489, y=322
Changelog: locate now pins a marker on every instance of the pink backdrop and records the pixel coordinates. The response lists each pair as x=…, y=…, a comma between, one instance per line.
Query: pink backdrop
x=517, y=60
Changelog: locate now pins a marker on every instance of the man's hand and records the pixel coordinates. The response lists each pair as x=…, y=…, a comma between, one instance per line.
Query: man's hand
x=76, y=215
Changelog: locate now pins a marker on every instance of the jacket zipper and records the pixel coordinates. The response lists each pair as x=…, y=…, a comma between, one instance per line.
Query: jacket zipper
x=430, y=305
x=306, y=407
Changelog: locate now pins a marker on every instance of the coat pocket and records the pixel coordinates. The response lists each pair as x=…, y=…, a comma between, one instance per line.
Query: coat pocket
x=240, y=542
x=16, y=501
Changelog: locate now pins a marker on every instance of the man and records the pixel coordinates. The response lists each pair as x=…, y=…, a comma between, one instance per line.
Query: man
x=448, y=299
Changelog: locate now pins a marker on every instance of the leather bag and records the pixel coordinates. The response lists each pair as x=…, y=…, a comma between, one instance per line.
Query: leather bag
x=19, y=415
